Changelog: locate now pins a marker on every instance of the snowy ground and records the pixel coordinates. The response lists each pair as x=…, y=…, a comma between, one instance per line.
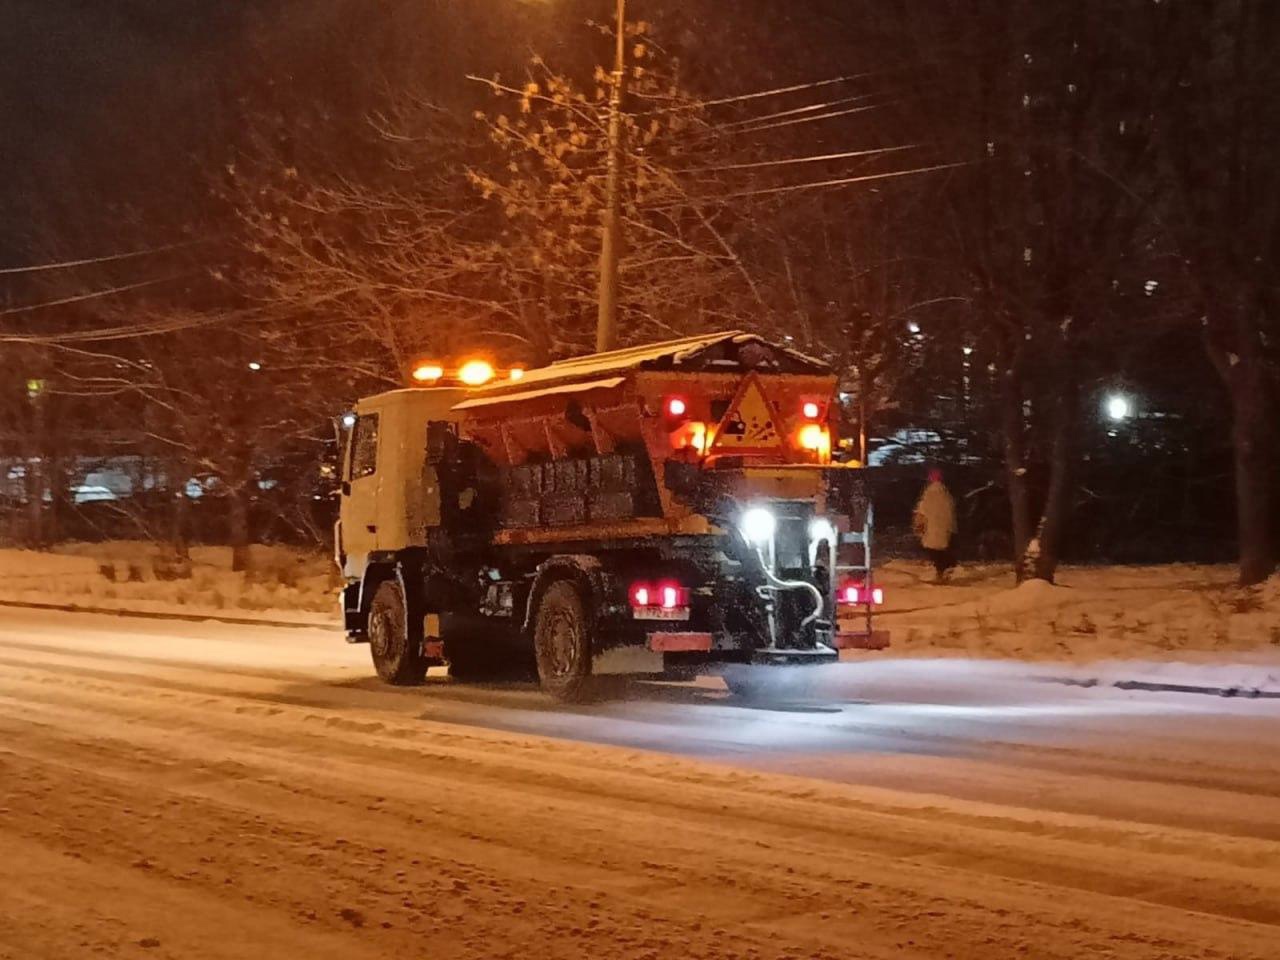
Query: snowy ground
x=281, y=584
x=191, y=791
x=1092, y=612
x=1164, y=625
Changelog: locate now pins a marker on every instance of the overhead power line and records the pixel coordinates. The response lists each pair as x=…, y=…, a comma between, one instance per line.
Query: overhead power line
x=761, y=94
x=796, y=111
x=843, y=181
x=65, y=339
x=848, y=155
x=92, y=295
x=796, y=121
x=109, y=258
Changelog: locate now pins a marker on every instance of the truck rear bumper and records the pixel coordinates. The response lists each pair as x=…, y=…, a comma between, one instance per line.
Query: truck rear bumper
x=670, y=642
x=705, y=643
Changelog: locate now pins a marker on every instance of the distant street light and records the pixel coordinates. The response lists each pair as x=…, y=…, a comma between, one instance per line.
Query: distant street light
x=1119, y=407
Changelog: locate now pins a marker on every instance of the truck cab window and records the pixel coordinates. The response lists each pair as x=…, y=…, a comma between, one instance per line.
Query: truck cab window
x=364, y=453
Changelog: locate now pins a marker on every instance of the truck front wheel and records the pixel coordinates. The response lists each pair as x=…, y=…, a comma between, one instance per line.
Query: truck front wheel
x=397, y=655
x=562, y=643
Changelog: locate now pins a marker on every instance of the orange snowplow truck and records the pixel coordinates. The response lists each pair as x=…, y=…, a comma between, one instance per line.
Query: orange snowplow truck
x=660, y=512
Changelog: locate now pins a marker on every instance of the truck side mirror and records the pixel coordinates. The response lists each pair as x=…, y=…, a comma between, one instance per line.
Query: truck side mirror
x=442, y=441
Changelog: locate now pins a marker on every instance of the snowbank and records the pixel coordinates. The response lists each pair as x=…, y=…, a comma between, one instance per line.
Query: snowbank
x=1168, y=614
x=1092, y=613
x=280, y=584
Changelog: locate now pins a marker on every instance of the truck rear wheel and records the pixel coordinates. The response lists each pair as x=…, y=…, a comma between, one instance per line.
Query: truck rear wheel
x=562, y=643
x=397, y=655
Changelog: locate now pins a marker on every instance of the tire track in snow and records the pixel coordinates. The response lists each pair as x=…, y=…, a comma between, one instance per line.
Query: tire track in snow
x=349, y=730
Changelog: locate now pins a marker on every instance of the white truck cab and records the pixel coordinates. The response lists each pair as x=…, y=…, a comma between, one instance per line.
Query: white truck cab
x=389, y=497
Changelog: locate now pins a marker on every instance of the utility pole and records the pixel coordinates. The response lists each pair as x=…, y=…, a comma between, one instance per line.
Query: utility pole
x=36, y=478
x=611, y=228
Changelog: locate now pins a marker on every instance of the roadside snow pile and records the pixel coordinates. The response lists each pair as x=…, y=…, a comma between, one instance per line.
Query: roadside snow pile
x=1172, y=614
x=1246, y=675
x=280, y=584
x=1093, y=613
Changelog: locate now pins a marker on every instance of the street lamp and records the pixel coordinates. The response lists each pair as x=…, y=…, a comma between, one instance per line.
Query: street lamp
x=1119, y=407
x=611, y=226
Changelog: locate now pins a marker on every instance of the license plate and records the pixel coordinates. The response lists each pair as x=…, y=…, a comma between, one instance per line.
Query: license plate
x=660, y=613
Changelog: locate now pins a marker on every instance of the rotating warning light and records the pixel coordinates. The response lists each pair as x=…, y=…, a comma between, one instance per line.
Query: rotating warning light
x=474, y=373
x=428, y=372
x=813, y=437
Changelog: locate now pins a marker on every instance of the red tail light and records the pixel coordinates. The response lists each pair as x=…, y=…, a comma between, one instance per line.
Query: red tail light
x=672, y=596
x=811, y=410
x=664, y=600
x=855, y=593
x=676, y=408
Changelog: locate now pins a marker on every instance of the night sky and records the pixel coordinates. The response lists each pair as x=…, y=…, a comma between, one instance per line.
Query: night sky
x=88, y=88
x=107, y=101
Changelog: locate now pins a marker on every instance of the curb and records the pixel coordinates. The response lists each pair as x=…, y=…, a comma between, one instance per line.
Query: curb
x=153, y=615
x=1242, y=693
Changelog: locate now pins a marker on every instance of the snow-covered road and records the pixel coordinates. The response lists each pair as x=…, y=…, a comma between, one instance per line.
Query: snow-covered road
x=210, y=791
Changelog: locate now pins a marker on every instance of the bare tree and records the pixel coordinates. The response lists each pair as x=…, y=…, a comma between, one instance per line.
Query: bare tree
x=1219, y=149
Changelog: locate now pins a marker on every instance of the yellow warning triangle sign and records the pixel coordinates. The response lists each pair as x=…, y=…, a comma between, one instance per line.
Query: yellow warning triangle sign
x=750, y=425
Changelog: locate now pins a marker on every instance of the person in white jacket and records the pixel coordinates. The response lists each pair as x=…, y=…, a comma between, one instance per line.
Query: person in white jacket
x=935, y=524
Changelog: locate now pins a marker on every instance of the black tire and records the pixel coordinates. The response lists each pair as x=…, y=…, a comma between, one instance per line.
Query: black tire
x=395, y=646
x=562, y=643
x=763, y=684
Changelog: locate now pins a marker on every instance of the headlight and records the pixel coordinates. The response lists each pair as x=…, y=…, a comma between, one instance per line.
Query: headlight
x=820, y=529
x=758, y=525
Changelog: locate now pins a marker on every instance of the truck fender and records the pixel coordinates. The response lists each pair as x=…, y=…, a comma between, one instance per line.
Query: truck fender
x=405, y=572
x=584, y=570
x=375, y=571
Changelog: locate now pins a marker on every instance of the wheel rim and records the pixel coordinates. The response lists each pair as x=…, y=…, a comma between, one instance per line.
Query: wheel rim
x=560, y=645
x=379, y=634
